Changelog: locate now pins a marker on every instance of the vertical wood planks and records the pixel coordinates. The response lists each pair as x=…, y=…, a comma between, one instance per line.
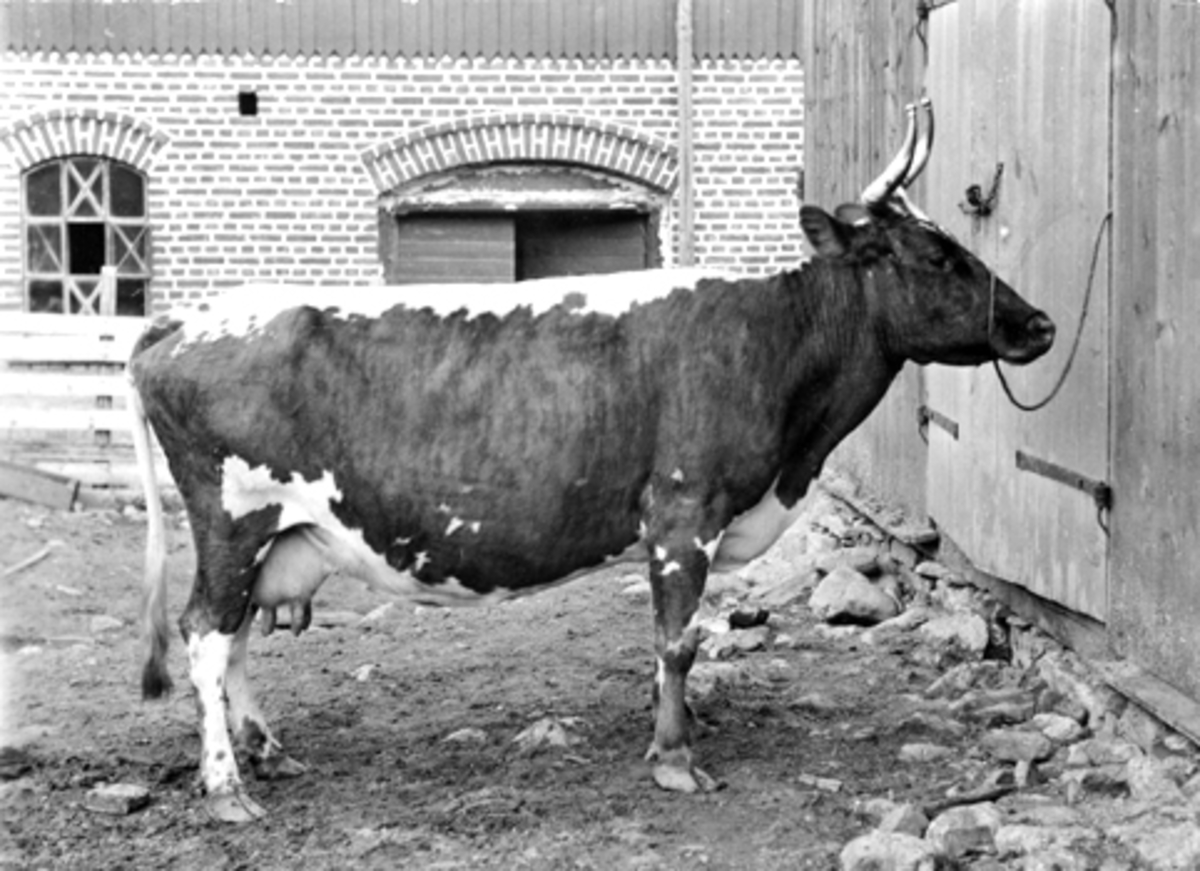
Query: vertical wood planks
x=432, y=28
x=1156, y=415
x=1030, y=82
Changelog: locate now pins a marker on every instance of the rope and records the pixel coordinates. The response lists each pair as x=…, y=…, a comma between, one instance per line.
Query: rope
x=1087, y=300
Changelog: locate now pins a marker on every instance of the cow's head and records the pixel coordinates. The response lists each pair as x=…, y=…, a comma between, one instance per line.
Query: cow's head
x=932, y=299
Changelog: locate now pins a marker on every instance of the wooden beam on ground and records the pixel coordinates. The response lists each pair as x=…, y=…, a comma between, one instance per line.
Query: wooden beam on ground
x=1155, y=695
x=34, y=485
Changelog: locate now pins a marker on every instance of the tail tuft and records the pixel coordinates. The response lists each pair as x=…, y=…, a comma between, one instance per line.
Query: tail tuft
x=156, y=680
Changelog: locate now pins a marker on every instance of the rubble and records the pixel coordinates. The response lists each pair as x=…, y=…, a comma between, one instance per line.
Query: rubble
x=1060, y=768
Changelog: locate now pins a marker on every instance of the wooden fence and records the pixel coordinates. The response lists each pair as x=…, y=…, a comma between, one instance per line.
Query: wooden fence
x=63, y=407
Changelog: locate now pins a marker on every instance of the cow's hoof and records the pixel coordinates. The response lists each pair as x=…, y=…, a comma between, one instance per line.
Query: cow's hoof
x=278, y=767
x=688, y=780
x=234, y=807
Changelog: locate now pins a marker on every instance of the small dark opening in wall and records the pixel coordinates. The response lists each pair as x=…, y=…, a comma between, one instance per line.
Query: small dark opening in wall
x=248, y=104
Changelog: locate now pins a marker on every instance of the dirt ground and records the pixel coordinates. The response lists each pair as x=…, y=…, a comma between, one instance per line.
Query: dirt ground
x=384, y=788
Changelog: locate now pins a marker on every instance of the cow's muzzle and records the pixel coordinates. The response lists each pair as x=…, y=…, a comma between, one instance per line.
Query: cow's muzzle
x=1030, y=341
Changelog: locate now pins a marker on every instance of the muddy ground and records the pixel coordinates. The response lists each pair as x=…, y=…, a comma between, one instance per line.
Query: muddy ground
x=798, y=753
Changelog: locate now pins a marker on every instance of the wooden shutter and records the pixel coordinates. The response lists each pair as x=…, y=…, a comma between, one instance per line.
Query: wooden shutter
x=441, y=249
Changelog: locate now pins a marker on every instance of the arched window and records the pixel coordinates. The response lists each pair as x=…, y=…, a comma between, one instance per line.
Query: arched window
x=87, y=241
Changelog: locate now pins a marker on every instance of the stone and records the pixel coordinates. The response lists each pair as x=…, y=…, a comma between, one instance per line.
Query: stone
x=1062, y=672
x=468, y=735
x=1101, y=780
x=1024, y=839
x=1058, y=728
x=1157, y=781
x=1141, y=728
x=964, y=831
x=953, y=684
x=730, y=644
x=363, y=673
x=1100, y=751
x=923, y=752
x=1166, y=847
x=104, y=623
x=931, y=724
x=1014, y=745
x=377, y=614
x=863, y=560
x=995, y=707
x=933, y=570
x=906, y=819
x=550, y=732
x=964, y=633
x=1062, y=860
x=1041, y=811
x=787, y=592
x=847, y=596
x=117, y=799
x=903, y=554
x=836, y=633
x=888, y=851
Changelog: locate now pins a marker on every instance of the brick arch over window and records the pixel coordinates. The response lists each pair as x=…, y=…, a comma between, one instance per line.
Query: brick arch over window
x=439, y=148
x=65, y=132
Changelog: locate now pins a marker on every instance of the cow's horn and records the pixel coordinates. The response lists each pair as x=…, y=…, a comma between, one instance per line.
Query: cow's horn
x=879, y=190
x=924, y=144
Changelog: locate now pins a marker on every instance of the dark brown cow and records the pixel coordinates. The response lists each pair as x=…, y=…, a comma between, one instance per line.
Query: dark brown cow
x=458, y=456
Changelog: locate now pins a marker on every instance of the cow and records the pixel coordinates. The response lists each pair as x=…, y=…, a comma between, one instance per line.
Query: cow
x=451, y=454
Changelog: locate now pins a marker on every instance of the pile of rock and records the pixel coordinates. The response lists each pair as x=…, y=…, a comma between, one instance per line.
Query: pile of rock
x=1071, y=774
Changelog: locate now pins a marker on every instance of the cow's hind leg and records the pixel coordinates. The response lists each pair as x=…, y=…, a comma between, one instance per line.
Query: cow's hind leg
x=216, y=615
x=209, y=653
x=678, y=527
x=246, y=719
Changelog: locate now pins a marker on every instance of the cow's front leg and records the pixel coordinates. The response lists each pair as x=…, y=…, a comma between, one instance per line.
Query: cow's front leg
x=679, y=564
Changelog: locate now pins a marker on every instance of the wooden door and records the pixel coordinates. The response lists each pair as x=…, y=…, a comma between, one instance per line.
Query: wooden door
x=1025, y=84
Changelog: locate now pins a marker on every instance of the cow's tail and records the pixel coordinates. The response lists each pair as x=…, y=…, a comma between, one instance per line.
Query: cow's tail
x=156, y=680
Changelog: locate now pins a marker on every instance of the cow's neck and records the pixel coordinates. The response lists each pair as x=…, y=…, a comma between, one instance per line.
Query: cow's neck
x=839, y=374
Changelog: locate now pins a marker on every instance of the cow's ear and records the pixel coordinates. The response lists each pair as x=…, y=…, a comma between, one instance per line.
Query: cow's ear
x=828, y=236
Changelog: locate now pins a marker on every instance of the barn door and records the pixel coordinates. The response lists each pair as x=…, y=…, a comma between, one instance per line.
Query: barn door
x=1025, y=84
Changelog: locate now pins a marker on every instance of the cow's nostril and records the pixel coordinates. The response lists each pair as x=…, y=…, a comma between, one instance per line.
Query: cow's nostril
x=1041, y=327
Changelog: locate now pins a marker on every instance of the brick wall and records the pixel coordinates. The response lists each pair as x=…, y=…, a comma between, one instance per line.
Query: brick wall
x=290, y=195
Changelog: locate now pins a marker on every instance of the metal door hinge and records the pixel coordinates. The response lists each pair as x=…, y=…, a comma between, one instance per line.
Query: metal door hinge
x=927, y=415
x=1100, y=491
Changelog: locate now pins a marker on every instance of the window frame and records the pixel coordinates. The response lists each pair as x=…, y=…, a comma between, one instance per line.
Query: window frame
x=85, y=196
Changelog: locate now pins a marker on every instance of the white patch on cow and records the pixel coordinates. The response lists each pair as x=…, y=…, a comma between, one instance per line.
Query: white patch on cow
x=444, y=509
x=660, y=553
x=671, y=568
x=455, y=523
x=752, y=532
x=422, y=560
x=709, y=549
x=660, y=674
x=476, y=526
x=245, y=489
x=248, y=310
x=404, y=541
x=208, y=657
